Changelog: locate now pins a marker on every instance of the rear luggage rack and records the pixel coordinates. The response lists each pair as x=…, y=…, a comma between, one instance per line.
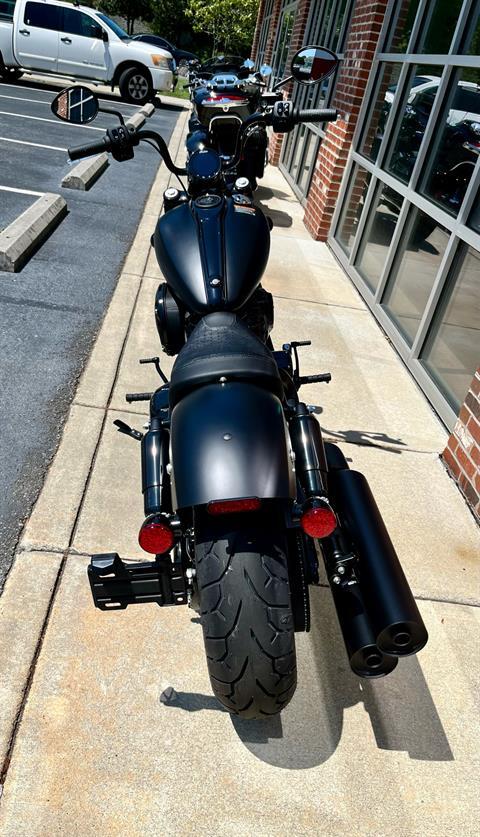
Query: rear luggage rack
x=115, y=584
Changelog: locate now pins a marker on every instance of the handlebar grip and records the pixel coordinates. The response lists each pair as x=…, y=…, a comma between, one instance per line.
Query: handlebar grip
x=79, y=151
x=138, y=396
x=316, y=115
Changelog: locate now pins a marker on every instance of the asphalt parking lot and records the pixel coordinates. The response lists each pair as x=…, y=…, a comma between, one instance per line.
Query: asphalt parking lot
x=52, y=309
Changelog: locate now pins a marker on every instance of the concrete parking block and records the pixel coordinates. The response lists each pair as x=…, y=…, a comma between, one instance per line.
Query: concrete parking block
x=22, y=236
x=106, y=745
x=23, y=607
x=86, y=173
x=372, y=397
x=51, y=522
x=97, y=380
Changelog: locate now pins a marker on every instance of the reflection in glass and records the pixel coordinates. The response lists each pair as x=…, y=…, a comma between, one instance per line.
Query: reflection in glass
x=414, y=274
x=456, y=151
x=378, y=234
x=474, y=220
x=472, y=40
x=422, y=89
x=400, y=35
x=353, y=208
x=385, y=89
x=453, y=346
x=443, y=19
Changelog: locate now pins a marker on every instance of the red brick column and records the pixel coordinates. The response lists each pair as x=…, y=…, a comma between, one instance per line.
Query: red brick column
x=258, y=29
x=362, y=39
x=462, y=454
x=298, y=32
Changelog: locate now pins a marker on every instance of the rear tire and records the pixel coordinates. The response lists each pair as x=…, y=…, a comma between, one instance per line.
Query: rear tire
x=10, y=74
x=246, y=614
x=135, y=86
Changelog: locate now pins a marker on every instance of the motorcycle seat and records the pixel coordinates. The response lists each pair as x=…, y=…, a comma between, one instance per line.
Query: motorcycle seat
x=220, y=346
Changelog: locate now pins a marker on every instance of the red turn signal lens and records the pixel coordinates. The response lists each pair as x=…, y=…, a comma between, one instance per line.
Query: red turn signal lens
x=156, y=537
x=248, y=504
x=319, y=522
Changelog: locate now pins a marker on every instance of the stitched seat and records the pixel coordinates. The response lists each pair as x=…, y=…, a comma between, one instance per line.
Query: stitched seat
x=221, y=346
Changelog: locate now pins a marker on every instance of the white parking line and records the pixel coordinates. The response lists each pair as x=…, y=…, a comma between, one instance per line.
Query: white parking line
x=112, y=101
x=21, y=99
x=35, y=144
x=44, y=119
x=21, y=191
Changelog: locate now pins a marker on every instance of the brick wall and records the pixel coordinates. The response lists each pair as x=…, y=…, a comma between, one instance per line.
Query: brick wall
x=462, y=454
x=361, y=43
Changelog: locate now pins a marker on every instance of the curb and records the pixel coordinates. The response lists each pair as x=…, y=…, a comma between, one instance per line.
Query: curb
x=36, y=571
x=18, y=240
x=87, y=172
x=84, y=175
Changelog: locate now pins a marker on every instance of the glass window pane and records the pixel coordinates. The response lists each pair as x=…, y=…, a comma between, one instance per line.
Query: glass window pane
x=378, y=234
x=415, y=271
x=471, y=45
x=400, y=35
x=309, y=162
x=455, y=146
x=353, y=208
x=453, y=347
x=443, y=19
x=385, y=89
x=422, y=90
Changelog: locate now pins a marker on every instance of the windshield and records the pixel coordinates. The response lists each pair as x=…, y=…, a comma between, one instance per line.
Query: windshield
x=224, y=62
x=114, y=26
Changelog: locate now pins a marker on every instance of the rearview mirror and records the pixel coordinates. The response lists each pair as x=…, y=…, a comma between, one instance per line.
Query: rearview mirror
x=266, y=70
x=312, y=64
x=76, y=104
x=249, y=64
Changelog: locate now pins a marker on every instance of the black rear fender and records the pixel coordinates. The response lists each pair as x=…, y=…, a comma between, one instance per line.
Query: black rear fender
x=229, y=441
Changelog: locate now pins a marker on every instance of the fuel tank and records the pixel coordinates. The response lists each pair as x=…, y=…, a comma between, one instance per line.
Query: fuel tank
x=213, y=251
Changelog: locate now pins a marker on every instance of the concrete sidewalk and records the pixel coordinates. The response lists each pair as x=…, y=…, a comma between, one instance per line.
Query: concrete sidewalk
x=89, y=741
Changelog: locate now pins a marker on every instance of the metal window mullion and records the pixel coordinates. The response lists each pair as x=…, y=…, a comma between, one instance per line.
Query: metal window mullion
x=435, y=295
x=397, y=105
x=345, y=25
x=343, y=191
x=447, y=60
x=460, y=27
x=432, y=128
x=369, y=198
x=392, y=251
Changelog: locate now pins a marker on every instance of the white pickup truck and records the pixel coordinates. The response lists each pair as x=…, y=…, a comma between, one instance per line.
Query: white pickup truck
x=58, y=38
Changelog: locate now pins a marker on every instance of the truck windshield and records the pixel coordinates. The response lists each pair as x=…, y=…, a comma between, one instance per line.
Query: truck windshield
x=112, y=25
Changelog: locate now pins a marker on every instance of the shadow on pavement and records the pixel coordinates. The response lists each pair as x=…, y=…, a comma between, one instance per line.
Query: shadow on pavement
x=400, y=707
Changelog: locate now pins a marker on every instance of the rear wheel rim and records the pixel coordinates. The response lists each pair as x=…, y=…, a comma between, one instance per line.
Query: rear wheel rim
x=138, y=86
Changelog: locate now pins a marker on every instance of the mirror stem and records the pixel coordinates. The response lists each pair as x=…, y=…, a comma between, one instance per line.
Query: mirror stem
x=113, y=112
x=281, y=83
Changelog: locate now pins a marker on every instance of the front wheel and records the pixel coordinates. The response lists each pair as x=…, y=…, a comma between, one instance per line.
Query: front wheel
x=135, y=86
x=243, y=586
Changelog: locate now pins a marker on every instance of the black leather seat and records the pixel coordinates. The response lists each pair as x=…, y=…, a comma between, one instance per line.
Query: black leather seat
x=221, y=346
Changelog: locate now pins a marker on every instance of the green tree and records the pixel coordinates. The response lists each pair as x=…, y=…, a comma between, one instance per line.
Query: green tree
x=169, y=19
x=129, y=10
x=229, y=23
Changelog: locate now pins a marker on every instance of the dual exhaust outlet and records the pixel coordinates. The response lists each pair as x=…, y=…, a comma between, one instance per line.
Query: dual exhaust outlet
x=377, y=613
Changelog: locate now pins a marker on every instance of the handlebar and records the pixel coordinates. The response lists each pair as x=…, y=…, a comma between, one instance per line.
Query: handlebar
x=315, y=115
x=97, y=147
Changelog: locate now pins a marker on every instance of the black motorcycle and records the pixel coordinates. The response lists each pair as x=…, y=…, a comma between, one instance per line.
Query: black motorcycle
x=224, y=92
x=238, y=485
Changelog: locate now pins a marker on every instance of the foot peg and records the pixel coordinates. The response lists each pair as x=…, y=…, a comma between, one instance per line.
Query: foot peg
x=115, y=584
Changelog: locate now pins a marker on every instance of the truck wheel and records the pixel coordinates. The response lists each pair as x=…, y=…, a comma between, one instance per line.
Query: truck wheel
x=135, y=86
x=246, y=614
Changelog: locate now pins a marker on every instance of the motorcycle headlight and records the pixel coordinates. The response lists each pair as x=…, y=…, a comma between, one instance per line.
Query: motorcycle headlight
x=160, y=61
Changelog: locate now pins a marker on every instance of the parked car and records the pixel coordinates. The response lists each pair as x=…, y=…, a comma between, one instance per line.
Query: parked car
x=56, y=38
x=181, y=56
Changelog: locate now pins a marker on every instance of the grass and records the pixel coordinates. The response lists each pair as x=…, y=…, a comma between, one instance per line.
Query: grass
x=179, y=92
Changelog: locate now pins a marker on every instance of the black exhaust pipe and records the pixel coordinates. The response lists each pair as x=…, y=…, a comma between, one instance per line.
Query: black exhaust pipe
x=394, y=615
x=365, y=657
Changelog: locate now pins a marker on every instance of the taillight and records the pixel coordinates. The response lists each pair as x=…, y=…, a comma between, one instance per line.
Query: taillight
x=247, y=504
x=156, y=536
x=319, y=521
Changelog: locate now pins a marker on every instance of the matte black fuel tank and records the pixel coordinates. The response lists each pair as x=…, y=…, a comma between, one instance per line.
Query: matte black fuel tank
x=213, y=251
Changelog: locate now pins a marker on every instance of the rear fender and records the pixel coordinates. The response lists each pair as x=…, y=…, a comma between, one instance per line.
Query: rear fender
x=229, y=441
